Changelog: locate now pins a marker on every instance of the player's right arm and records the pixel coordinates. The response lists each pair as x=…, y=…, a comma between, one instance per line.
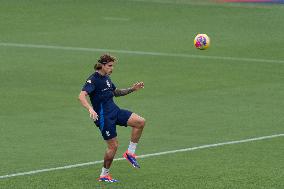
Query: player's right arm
x=83, y=99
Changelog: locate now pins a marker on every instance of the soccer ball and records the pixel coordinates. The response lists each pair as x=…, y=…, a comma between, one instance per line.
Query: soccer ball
x=201, y=41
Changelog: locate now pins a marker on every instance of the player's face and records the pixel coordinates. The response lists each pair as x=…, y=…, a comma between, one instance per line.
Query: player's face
x=107, y=68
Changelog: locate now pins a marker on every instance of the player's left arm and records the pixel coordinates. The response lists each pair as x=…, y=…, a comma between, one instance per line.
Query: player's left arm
x=122, y=92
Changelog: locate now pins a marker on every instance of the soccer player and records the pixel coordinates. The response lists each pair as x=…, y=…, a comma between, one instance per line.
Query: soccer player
x=106, y=114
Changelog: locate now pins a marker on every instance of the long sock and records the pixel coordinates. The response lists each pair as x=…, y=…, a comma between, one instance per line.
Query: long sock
x=132, y=147
x=104, y=172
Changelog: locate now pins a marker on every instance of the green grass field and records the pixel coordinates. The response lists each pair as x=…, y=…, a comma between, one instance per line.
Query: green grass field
x=230, y=92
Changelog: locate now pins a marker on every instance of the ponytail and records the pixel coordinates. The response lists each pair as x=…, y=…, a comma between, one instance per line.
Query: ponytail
x=98, y=66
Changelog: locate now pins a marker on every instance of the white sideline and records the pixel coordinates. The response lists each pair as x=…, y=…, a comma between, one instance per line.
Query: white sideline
x=55, y=47
x=116, y=18
x=201, y=3
x=143, y=156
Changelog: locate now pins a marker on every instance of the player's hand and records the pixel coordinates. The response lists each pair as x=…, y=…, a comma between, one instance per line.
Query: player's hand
x=93, y=114
x=138, y=85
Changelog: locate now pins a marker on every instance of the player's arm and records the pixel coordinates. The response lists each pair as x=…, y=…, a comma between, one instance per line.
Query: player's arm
x=123, y=92
x=83, y=99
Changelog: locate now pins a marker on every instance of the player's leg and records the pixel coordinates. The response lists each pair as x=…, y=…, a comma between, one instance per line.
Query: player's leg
x=108, y=131
x=112, y=145
x=137, y=123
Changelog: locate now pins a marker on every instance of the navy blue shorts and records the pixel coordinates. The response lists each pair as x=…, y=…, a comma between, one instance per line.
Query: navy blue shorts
x=107, y=123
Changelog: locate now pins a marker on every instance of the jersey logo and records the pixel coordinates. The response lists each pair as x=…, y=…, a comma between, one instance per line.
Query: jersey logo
x=89, y=81
x=108, y=84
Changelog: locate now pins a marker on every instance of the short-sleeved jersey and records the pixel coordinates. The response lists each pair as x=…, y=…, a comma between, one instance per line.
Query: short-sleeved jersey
x=100, y=90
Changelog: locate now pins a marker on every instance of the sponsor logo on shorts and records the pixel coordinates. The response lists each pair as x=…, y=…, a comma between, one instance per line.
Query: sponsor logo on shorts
x=107, y=133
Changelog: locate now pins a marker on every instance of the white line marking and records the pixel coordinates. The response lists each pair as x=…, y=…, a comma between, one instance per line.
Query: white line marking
x=143, y=156
x=4, y=44
x=204, y=3
x=175, y=2
x=116, y=18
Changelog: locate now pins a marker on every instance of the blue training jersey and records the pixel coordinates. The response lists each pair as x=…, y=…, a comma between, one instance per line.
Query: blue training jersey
x=100, y=90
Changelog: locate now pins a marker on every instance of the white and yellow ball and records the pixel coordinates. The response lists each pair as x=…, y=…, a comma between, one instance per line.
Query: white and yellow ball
x=201, y=41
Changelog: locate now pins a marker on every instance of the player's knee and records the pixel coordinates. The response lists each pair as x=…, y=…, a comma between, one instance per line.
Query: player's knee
x=113, y=146
x=142, y=123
